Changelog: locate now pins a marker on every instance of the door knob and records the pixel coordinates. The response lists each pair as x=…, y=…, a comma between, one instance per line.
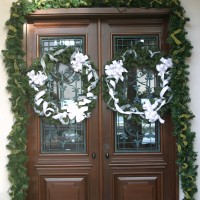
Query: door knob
x=94, y=155
x=107, y=155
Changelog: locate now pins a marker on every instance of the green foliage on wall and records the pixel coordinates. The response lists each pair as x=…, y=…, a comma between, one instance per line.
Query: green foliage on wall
x=18, y=87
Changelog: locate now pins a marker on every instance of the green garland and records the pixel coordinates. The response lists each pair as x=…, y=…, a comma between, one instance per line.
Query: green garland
x=17, y=86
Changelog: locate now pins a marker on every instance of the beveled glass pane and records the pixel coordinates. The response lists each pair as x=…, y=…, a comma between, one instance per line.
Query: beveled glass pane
x=63, y=138
x=49, y=43
x=123, y=42
x=129, y=136
x=64, y=86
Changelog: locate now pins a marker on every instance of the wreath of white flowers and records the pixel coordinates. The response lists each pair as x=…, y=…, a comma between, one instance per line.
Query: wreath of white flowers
x=117, y=71
x=75, y=110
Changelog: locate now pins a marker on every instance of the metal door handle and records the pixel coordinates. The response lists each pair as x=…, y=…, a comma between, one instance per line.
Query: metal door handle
x=107, y=155
x=94, y=155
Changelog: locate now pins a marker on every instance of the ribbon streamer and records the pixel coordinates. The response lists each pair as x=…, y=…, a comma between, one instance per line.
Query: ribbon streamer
x=176, y=40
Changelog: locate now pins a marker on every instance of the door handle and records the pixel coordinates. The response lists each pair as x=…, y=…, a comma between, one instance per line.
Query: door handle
x=94, y=155
x=107, y=155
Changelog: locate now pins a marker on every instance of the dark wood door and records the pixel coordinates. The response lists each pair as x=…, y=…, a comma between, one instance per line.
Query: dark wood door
x=115, y=160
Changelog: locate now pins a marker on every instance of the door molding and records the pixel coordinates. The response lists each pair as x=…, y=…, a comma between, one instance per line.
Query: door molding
x=76, y=13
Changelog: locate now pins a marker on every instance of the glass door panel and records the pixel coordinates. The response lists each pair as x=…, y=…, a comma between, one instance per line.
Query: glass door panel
x=131, y=136
x=64, y=87
x=48, y=43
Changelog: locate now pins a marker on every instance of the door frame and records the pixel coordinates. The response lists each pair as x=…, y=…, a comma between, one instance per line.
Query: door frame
x=91, y=13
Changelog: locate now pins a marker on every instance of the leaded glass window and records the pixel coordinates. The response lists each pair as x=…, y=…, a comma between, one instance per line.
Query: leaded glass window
x=49, y=43
x=63, y=86
x=129, y=136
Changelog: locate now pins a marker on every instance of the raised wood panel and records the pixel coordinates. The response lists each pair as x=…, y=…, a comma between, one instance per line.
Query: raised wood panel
x=138, y=188
x=65, y=188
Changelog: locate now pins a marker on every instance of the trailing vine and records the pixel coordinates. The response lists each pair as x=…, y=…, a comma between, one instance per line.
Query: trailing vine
x=17, y=86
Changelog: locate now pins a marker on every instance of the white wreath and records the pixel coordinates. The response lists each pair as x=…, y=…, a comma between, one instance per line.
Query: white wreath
x=74, y=110
x=115, y=72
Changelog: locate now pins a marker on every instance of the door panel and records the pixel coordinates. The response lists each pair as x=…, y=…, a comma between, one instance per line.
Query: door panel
x=60, y=188
x=140, y=188
x=131, y=171
x=57, y=170
x=59, y=138
x=102, y=169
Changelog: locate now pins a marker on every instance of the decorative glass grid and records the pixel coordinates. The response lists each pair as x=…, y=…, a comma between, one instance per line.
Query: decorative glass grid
x=64, y=86
x=129, y=136
x=63, y=138
x=124, y=42
x=49, y=43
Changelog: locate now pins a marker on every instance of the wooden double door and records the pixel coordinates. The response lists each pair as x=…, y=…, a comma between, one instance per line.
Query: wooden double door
x=105, y=157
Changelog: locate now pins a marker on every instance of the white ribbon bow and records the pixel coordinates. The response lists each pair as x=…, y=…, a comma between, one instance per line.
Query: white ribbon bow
x=77, y=61
x=75, y=112
x=163, y=67
x=115, y=70
x=36, y=79
x=150, y=111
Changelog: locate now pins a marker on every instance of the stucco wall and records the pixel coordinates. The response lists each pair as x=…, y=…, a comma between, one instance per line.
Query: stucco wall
x=6, y=117
x=192, y=8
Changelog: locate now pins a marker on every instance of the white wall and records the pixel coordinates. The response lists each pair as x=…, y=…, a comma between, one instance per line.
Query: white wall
x=6, y=117
x=192, y=8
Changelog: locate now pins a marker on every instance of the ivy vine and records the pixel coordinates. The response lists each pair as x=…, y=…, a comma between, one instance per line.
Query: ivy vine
x=17, y=86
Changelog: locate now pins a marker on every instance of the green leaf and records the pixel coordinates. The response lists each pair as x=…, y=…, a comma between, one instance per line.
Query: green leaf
x=16, y=67
x=179, y=51
x=175, y=1
x=185, y=165
x=178, y=14
x=156, y=1
x=185, y=116
x=173, y=35
x=19, y=86
x=185, y=127
x=183, y=136
x=179, y=148
x=10, y=36
x=15, y=151
x=187, y=196
x=14, y=15
x=185, y=143
x=12, y=28
x=21, y=118
x=16, y=103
